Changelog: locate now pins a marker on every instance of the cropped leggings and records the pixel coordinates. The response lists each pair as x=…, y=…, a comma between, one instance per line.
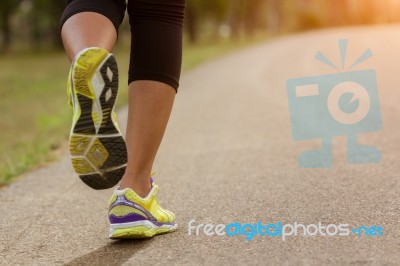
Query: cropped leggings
x=156, y=30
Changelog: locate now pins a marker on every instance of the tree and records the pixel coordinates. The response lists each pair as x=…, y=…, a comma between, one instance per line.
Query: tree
x=246, y=15
x=7, y=7
x=339, y=12
x=199, y=11
x=274, y=16
x=191, y=20
x=45, y=22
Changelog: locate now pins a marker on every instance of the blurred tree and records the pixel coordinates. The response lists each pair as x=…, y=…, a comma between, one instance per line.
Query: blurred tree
x=191, y=19
x=7, y=7
x=311, y=14
x=274, y=16
x=35, y=23
x=247, y=16
x=235, y=17
x=253, y=15
x=45, y=22
x=198, y=12
x=339, y=12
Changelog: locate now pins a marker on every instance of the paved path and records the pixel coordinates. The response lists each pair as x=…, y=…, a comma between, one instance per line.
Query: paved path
x=229, y=155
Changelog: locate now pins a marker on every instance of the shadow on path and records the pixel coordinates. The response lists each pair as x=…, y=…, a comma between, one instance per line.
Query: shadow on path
x=112, y=254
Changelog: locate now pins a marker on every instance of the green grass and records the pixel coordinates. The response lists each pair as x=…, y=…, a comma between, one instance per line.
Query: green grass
x=34, y=115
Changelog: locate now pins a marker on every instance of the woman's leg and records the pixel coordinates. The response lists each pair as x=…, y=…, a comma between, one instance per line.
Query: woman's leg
x=89, y=33
x=156, y=54
x=91, y=23
x=150, y=104
x=87, y=29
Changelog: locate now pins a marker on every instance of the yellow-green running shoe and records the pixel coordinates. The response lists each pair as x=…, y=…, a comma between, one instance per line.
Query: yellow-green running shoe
x=98, y=151
x=134, y=217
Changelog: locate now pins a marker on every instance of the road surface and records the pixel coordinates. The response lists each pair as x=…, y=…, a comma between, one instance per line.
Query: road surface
x=229, y=155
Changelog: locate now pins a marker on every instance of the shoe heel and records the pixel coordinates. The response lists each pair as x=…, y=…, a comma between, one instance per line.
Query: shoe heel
x=85, y=67
x=99, y=161
x=104, y=180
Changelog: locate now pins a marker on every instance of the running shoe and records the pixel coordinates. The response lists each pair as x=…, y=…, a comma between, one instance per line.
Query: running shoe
x=98, y=151
x=134, y=217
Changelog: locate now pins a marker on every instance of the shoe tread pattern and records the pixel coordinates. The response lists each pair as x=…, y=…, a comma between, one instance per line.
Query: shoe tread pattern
x=101, y=166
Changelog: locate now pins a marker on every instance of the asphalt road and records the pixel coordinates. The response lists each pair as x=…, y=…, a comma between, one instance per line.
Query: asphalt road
x=229, y=156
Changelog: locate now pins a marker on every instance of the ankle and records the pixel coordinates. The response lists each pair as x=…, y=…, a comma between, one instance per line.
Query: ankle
x=141, y=186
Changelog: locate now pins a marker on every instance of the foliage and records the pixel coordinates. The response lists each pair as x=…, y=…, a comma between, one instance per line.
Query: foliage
x=31, y=24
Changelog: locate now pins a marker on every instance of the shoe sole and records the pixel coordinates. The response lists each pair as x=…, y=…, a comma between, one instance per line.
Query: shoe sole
x=98, y=151
x=144, y=229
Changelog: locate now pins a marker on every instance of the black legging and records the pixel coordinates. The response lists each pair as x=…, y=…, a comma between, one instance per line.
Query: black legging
x=156, y=27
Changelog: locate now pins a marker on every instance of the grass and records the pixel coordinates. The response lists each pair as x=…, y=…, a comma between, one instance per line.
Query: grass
x=34, y=116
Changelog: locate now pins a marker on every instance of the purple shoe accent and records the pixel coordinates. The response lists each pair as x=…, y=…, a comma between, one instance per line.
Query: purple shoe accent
x=132, y=217
x=151, y=181
x=121, y=200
